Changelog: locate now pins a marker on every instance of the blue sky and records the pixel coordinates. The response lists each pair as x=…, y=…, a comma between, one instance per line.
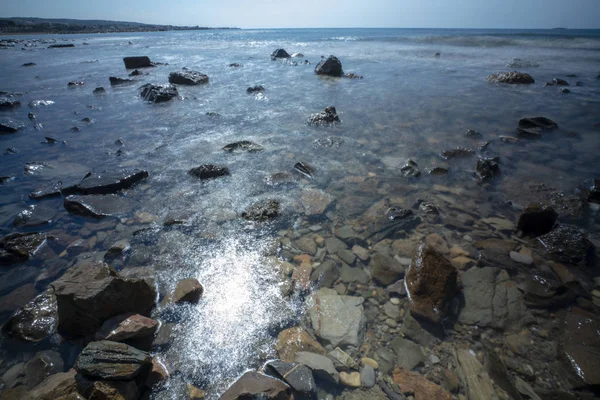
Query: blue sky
x=324, y=13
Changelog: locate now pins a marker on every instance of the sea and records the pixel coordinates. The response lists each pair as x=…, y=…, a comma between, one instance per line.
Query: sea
x=417, y=94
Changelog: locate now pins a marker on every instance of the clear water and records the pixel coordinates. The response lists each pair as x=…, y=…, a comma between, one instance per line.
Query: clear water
x=410, y=104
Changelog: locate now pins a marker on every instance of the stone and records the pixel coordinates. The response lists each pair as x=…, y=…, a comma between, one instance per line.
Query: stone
x=321, y=366
x=361, y=252
x=53, y=189
x=326, y=274
x=397, y=288
x=391, y=310
x=418, y=386
x=254, y=385
x=243, y=145
x=14, y=376
x=307, y=245
x=408, y=354
x=105, y=389
x=33, y=216
x=579, y=347
x=511, y=78
x=457, y=152
x=126, y=327
x=438, y=243
x=158, y=93
x=280, y=53
x=438, y=171
x=410, y=170
x=293, y=340
x=367, y=376
x=347, y=256
x=137, y=62
x=491, y=299
x=385, y=270
x=89, y=294
x=113, y=361
x=187, y=291
x=334, y=245
x=351, y=379
x=19, y=247
x=262, y=211
x=525, y=389
x=8, y=125
x=7, y=102
x=521, y=258
x=36, y=320
x=331, y=66
x=255, y=89
x=338, y=320
x=187, y=77
x=159, y=373
x=341, y=360
x=55, y=387
x=61, y=45
x=115, y=81
x=370, y=361
x=301, y=276
x=431, y=283
x=537, y=219
x=487, y=168
x=99, y=90
x=593, y=191
x=42, y=365
x=568, y=245
x=326, y=117
x=349, y=274
x=474, y=376
x=15, y=278
x=299, y=377
x=533, y=127
x=209, y=171
x=97, y=206
x=109, y=182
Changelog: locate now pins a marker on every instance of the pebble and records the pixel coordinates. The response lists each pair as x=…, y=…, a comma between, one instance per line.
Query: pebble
x=395, y=301
x=370, y=361
x=315, y=228
x=391, y=323
x=521, y=258
x=434, y=359
x=350, y=379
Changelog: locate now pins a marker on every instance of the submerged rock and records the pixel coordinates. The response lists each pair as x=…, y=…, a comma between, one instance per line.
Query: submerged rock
x=18, y=247
x=60, y=46
x=411, y=169
x=254, y=385
x=97, y=206
x=418, y=386
x=593, y=192
x=487, y=168
x=8, y=102
x=537, y=219
x=579, y=347
x=255, y=89
x=331, y=66
x=518, y=63
x=61, y=386
x=243, y=145
x=36, y=320
x=112, y=361
x=158, y=93
x=34, y=215
x=114, y=81
x=430, y=283
x=99, y=90
x=568, y=245
x=511, y=78
x=315, y=201
x=456, y=152
x=560, y=82
x=110, y=182
x=280, y=53
x=187, y=77
x=321, y=366
x=325, y=117
x=209, y=171
x=304, y=169
x=8, y=125
x=262, y=211
x=137, y=62
x=535, y=126
x=385, y=270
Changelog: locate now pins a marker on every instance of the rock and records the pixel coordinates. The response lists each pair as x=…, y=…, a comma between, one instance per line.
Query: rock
x=34, y=215
x=511, y=77
x=280, y=53
x=117, y=249
x=351, y=379
x=579, y=347
x=473, y=375
x=410, y=170
x=367, y=376
x=137, y=72
x=457, y=152
x=187, y=291
x=431, y=283
x=535, y=126
x=593, y=191
x=114, y=81
x=209, y=171
x=301, y=167
x=29, y=64
x=521, y=258
x=568, y=245
x=187, y=77
x=109, y=182
x=159, y=373
x=491, y=299
x=89, y=294
x=8, y=125
x=255, y=89
x=560, y=82
x=315, y=201
x=19, y=247
x=107, y=389
x=299, y=377
x=60, y=46
x=420, y=387
x=235, y=65
x=243, y=145
x=113, y=361
x=330, y=66
x=347, y=256
x=254, y=385
x=55, y=387
x=321, y=366
x=99, y=90
x=158, y=93
x=473, y=134
x=438, y=171
x=397, y=288
x=341, y=360
x=35, y=321
x=8, y=102
x=127, y=327
x=137, y=62
x=262, y=211
x=40, y=103
x=97, y=206
x=75, y=83
x=408, y=354
x=42, y=365
x=301, y=276
x=385, y=270
x=326, y=117
x=537, y=219
x=293, y=340
x=325, y=274
x=194, y=393
x=338, y=320
x=487, y=168
x=396, y=213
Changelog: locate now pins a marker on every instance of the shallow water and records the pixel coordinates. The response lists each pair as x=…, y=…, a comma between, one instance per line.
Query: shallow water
x=410, y=104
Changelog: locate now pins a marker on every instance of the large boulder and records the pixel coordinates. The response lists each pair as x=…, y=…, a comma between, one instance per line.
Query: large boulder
x=338, y=320
x=431, y=283
x=569, y=245
x=137, y=62
x=89, y=294
x=325, y=117
x=187, y=77
x=511, y=77
x=537, y=219
x=331, y=66
x=293, y=340
x=36, y=320
x=113, y=361
x=280, y=53
x=158, y=93
x=254, y=385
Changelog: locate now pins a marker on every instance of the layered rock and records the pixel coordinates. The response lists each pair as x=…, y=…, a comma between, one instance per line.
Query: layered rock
x=127, y=327
x=113, y=361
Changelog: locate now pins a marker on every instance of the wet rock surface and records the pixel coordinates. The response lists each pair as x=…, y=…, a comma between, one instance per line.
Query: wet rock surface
x=243, y=145
x=326, y=117
x=568, y=245
x=19, y=247
x=487, y=168
x=280, y=53
x=35, y=321
x=112, y=361
x=511, y=78
x=158, y=93
x=187, y=77
x=262, y=211
x=299, y=377
x=8, y=125
x=109, y=182
x=535, y=126
x=209, y=171
x=34, y=216
x=115, y=81
x=537, y=219
x=137, y=62
x=331, y=66
x=580, y=347
x=97, y=206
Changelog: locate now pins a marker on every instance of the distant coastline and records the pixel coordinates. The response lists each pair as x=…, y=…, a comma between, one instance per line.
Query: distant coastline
x=69, y=26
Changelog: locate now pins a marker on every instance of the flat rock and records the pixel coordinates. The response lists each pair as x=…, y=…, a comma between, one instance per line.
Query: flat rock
x=321, y=366
x=242, y=145
x=579, y=348
x=511, y=78
x=34, y=215
x=137, y=62
x=158, y=93
x=299, y=377
x=97, y=206
x=254, y=385
x=36, y=320
x=568, y=245
x=385, y=270
x=110, y=182
x=293, y=340
x=187, y=77
x=473, y=375
x=330, y=66
x=408, y=354
x=418, y=386
x=349, y=274
x=112, y=361
x=19, y=247
x=326, y=274
x=8, y=125
x=126, y=327
x=338, y=320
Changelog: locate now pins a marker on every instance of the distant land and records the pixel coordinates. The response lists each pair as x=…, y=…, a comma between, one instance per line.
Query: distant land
x=45, y=25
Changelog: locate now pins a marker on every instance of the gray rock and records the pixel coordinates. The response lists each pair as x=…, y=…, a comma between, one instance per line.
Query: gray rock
x=187, y=77
x=385, y=270
x=391, y=310
x=97, y=206
x=243, y=145
x=349, y=274
x=386, y=360
x=367, y=376
x=280, y=53
x=137, y=62
x=511, y=78
x=408, y=354
x=16, y=277
x=115, y=81
x=36, y=320
x=8, y=102
x=14, y=376
x=298, y=376
x=321, y=366
x=334, y=245
x=412, y=329
x=326, y=117
x=262, y=211
x=113, y=361
x=579, y=347
x=341, y=360
x=326, y=274
x=42, y=365
x=307, y=245
x=347, y=256
x=8, y=125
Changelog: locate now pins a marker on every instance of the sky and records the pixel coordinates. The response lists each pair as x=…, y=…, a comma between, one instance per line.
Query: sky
x=512, y=14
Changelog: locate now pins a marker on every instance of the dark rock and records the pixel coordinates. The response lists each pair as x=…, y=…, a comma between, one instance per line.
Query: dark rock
x=137, y=62
x=331, y=66
x=255, y=89
x=52, y=189
x=34, y=215
x=235, y=65
x=50, y=140
x=560, y=82
x=99, y=90
x=127, y=327
x=29, y=64
x=158, y=93
x=438, y=171
x=4, y=179
x=411, y=169
x=75, y=83
x=511, y=77
x=42, y=365
x=11, y=150
x=8, y=102
x=136, y=72
x=537, y=219
x=326, y=117
x=212, y=114
x=457, y=152
x=579, y=348
x=568, y=245
x=385, y=270
x=110, y=182
x=321, y=366
x=60, y=386
x=8, y=125
x=119, y=81
x=187, y=77
x=18, y=247
x=280, y=53
x=97, y=206
x=431, y=283
x=35, y=321
x=209, y=171
x=565, y=90
x=298, y=376
x=487, y=168
x=89, y=294
x=304, y=169
x=394, y=213
x=535, y=126
x=243, y=145
x=473, y=134
x=325, y=274
x=594, y=191
x=106, y=389
x=59, y=46
x=546, y=292
x=262, y=211
x=253, y=385
x=112, y=361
